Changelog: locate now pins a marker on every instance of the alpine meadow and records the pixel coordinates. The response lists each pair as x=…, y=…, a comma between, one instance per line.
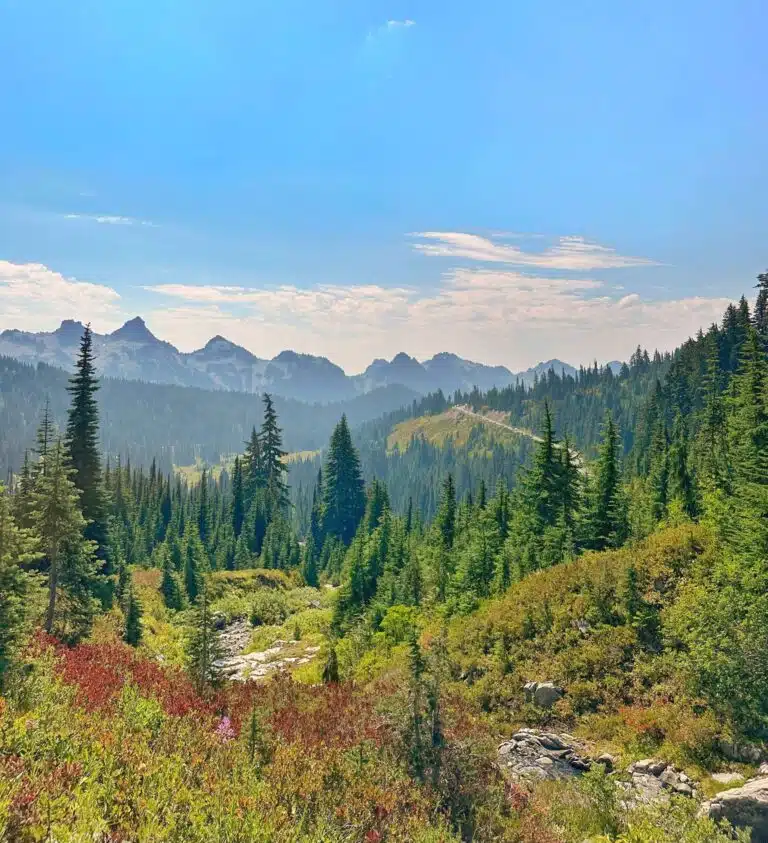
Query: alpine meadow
x=383, y=422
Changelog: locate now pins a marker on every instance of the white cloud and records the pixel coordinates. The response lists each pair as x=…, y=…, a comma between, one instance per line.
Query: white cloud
x=492, y=315
x=107, y=219
x=400, y=24
x=36, y=298
x=569, y=253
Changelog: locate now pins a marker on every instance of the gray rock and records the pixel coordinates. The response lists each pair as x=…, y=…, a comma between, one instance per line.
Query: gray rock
x=540, y=755
x=763, y=771
x=743, y=807
x=608, y=761
x=652, y=780
x=543, y=694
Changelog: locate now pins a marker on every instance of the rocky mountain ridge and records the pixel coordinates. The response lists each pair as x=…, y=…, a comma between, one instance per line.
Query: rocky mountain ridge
x=133, y=352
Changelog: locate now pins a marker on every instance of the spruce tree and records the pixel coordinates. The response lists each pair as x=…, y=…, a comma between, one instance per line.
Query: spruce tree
x=82, y=440
x=173, y=593
x=331, y=667
x=253, y=469
x=309, y=566
x=606, y=523
x=45, y=434
x=133, y=614
x=238, y=498
x=17, y=548
x=343, y=490
x=272, y=458
x=203, y=647
x=681, y=486
x=60, y=525
x=446, y=514
x=203, y=511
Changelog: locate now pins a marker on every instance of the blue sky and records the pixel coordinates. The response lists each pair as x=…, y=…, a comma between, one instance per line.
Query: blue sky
x=507, y=180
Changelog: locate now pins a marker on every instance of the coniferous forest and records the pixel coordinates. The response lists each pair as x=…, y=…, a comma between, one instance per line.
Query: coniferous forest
x=534, y=614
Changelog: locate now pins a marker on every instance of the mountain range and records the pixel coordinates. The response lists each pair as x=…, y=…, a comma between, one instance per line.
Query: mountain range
x=133, y=352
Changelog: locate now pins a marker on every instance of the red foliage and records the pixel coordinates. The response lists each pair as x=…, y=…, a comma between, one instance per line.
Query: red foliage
x=100, y=671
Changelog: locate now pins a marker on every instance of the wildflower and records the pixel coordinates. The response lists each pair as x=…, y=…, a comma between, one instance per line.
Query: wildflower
x=225, y=730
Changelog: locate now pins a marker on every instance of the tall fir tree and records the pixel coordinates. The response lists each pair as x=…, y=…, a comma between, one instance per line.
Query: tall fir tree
x=606, y=522
x=238, y=498
x=69, y=555
x=82, y=440
x=133, y=613
x=17, y=549
x=343, y=490
x=273, y=458
x=203, y=647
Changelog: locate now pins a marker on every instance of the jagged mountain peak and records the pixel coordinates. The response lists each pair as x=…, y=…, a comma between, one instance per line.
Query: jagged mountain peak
x=70, y=331
x=135, y=330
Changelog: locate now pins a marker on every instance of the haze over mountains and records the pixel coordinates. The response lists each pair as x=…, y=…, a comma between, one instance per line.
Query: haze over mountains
x=134, y=353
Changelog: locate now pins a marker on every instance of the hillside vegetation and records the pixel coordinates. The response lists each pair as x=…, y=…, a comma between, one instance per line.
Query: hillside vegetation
x=575, y=655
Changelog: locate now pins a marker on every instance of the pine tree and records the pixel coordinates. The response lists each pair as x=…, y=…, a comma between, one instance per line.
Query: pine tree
x=203, y=511
x=82, y=440
x=272, y=458
x=195, y=563
x=238, y=498
x=446, y=514
x=681, y=487
x=45, y=434
x=309, y=567
x=60, y=526
x=253, y=469
x=658, y=473
x=17, y=548
x=203, y=646
x=173, y=593
x=343, y=490
x=331, y=667
x=133, y=614
x=606, y=523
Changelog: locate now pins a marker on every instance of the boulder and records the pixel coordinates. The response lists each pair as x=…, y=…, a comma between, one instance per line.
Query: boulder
x=543, y=694
x=743, y=807
x=533, y=754
x=727, y=778
x=652, y=780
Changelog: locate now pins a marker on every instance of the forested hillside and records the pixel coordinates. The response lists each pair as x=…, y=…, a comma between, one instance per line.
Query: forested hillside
x=171, y=425
x=457, y=633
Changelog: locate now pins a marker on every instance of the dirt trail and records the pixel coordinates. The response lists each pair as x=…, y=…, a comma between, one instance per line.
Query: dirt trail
x=520, y=431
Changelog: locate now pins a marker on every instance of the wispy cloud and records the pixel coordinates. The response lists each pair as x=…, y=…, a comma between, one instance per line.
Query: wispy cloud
x=568, y=253
x=110, y=219
x=37, y=298
x=496, y=315
x=397, y=24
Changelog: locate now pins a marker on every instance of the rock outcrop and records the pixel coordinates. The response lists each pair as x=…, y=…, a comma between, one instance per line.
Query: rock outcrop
x=652, y=779
x=743, y=807
x=532, y=754
x=543, y=694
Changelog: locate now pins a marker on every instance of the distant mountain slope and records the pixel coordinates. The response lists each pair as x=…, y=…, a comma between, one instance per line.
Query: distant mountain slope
x=174, y=424
x=133, y=352
x=540, y=370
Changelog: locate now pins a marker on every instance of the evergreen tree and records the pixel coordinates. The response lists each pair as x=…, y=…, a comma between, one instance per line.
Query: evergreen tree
x=606, y=522
x=45, y=434
x=446, y=514
x=681, y=487
x=238, y=498
x=17, y=548
x=253, y=468
x=272, y=458
x=331, y=667
x=133, y=614
x=343, y=490
x=69, y=556
x=82, y=440
x=203, y=647
x=195, y=563
x=309, y=566
x=170, y=587
x=203, y=511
